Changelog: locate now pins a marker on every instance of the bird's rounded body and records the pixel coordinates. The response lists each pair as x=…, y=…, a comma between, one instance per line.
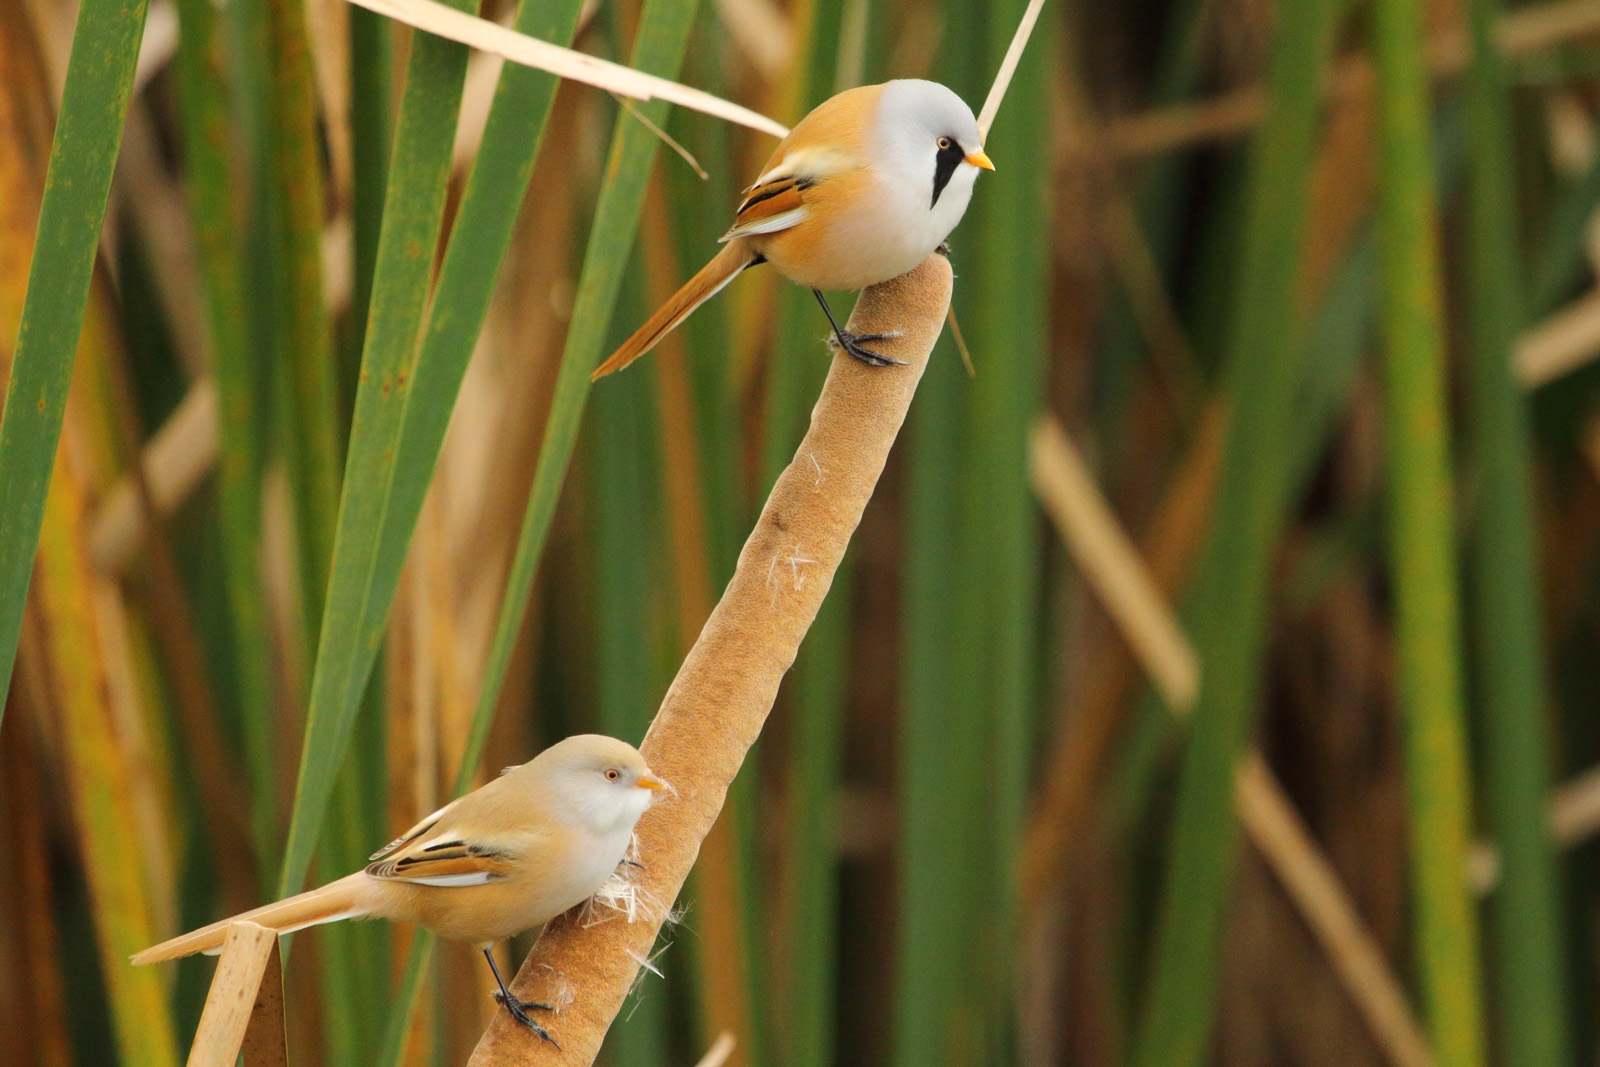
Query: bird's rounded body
x=505, y=858
x=881, y=216
x=557, y=869
x=863, y=189
x=500, y=909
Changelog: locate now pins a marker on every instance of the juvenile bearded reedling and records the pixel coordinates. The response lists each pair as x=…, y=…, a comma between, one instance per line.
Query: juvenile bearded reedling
x=861, y=191
x=505, y=858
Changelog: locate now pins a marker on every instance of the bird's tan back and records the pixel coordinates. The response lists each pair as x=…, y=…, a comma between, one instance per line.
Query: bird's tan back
x=847, y=119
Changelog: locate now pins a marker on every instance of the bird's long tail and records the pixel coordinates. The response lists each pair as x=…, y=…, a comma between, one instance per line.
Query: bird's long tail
x=343, y=899
x=735, y=256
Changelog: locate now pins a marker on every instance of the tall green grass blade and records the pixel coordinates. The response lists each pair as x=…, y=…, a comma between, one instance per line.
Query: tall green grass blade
x=478, y=243
x=398, y=1025
x=413, y=210
x=1506, y=625
x=105, y=49
x=312, y=447
x=658, y=49
x=355, y=990
x=1261, y=379
x=1422, y=544
x=623, y=497
x=212, y=197
x=812, y=924
x=1001, y=544
x=371, y=74
x=410, y=446
x=941, y=690
x=1506, y=621
x=968, y=675
x=399, y=430
x=311, y=415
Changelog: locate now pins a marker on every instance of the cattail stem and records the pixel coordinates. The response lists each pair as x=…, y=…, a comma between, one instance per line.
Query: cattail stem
x=719, y=702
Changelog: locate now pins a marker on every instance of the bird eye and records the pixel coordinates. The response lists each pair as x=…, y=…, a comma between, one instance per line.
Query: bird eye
x=944, y=144
x=612, y=774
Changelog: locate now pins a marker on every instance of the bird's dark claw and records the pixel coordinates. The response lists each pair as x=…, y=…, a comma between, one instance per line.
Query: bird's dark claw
x=518, y=1008
x=851, y=342
x=854, y=343
x=519, y=1011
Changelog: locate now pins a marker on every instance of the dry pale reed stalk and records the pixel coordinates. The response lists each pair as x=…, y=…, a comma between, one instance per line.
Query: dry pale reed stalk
x=718, y=1053
x=1276, y=830
x=1135, y=600
x=716, y=707
x=1008, y=67
x=486, y=36
x=1559, y=345
x=175, y=460
x=244, y=1009
x=1111, y=563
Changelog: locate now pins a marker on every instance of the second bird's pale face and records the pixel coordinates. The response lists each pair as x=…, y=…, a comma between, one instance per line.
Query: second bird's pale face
x=606, y=791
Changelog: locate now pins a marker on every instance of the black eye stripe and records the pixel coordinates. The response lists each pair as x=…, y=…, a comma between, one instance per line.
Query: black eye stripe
x=944, y=165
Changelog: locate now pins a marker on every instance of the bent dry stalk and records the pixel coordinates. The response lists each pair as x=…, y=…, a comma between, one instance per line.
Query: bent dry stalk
x=719, y=701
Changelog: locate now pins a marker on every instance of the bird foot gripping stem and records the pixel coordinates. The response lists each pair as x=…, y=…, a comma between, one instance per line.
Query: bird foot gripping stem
x=519, y=1008
x=853, y=343
x=519, y=1011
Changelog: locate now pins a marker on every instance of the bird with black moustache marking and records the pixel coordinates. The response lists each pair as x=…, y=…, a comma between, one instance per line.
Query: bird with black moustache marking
x=862, y=190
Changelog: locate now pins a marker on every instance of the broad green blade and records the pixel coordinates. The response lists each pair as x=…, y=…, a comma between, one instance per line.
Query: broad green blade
x=1001, y=540
x=314, y=452
x=968, y=674
x=478, y=243
x=105, y=49
x=414, y=207
x=805, y=1025
x=212, y=198
x=1422, y=545
x=1262, y=377
x=941, y=688
x=1507, y=639
x=401, y=415
x=626, y=541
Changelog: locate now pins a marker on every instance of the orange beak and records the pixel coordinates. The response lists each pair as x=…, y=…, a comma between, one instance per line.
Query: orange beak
x=655, y=785
x=979, y=159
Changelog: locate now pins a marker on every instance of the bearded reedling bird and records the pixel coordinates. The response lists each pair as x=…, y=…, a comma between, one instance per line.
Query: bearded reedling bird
x=505, y=858
x=859, y=192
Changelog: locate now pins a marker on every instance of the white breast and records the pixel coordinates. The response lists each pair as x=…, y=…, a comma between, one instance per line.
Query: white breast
x=593, y=865
x=886, y=234
x=899, y=223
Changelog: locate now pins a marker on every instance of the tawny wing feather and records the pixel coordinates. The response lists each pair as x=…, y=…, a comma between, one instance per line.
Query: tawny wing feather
x=827, y=144
x=770, y=206
x=450, y=847
x=449, y=860
x=426, y=823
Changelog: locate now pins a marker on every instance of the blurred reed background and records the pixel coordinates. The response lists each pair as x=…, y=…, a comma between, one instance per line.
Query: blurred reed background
x=1214, y=677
